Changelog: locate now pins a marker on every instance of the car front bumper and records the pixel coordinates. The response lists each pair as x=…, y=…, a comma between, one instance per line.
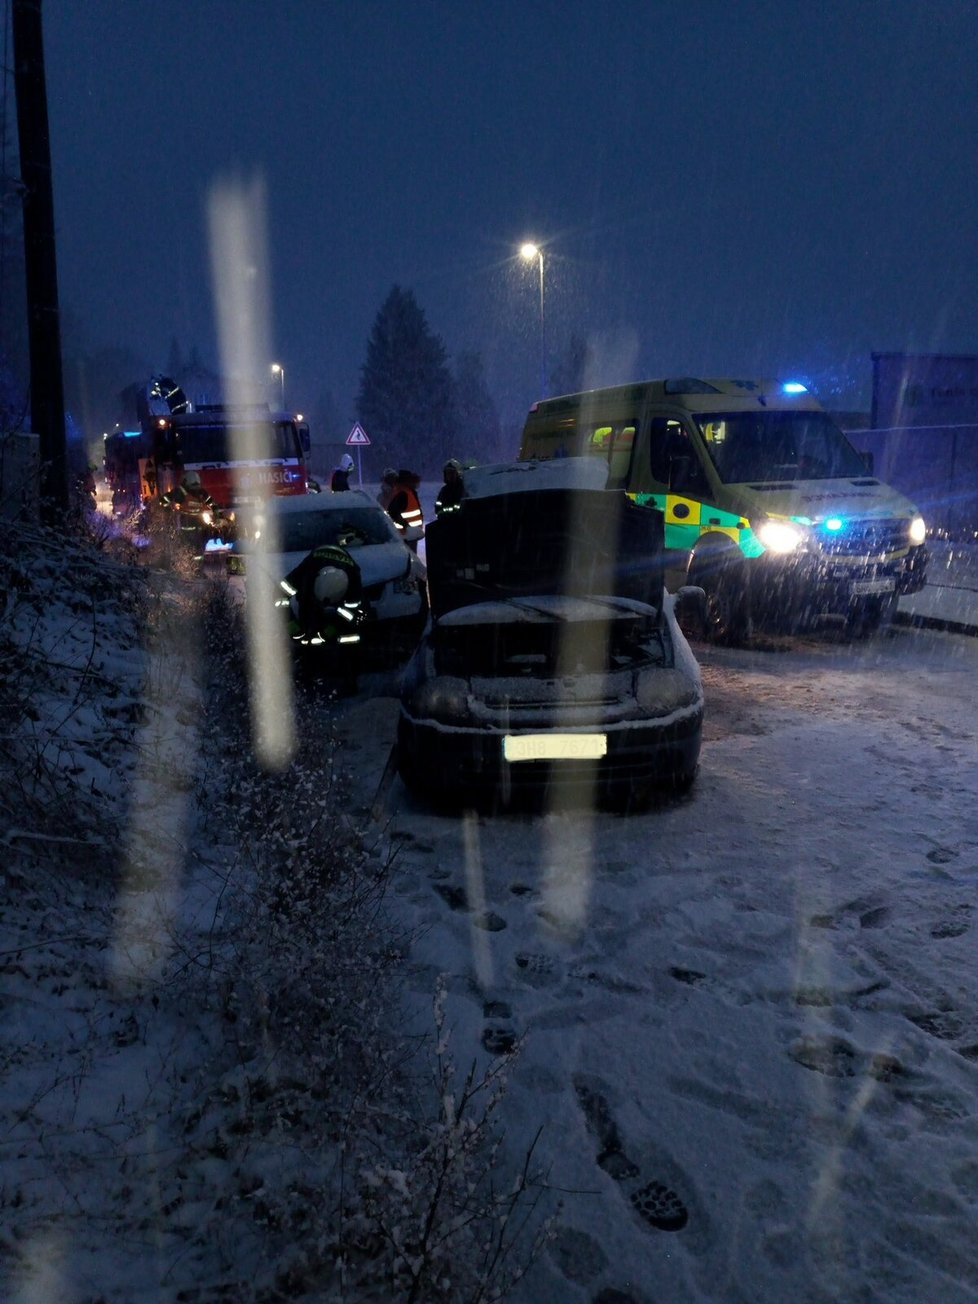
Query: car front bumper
x=829, y=585
x=452, y=762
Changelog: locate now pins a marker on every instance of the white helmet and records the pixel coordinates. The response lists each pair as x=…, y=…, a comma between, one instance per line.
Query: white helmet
x=330, y=585
x=191, y=480
x=346, y=462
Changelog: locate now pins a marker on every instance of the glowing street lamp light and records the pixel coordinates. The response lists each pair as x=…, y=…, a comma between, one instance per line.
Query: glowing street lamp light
x=528, y=252
x=279, y=370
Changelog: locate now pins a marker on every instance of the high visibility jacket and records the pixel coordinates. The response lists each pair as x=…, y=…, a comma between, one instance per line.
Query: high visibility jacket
x=311, y=621
x=405, y=508
x=450, y=496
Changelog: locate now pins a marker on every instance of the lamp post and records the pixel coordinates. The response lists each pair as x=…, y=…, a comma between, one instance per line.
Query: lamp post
x=528, y=252
x=279, y=370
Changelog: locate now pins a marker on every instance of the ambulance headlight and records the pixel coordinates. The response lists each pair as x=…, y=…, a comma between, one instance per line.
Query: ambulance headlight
x=918, y=530
x=780, y=536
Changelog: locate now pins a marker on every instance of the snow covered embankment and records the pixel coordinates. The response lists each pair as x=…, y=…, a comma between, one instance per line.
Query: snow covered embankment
x=199, y=1093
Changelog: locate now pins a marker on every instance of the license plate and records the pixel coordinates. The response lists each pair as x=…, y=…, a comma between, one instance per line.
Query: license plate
x=866, y=588
x=555, y=747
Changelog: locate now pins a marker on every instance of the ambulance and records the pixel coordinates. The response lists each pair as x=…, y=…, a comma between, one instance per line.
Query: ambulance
x=768, y=507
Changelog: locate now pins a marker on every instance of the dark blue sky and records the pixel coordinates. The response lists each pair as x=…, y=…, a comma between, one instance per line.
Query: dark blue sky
x=721, y=188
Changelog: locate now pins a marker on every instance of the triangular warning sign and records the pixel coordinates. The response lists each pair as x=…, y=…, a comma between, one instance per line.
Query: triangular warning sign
x=357, y=435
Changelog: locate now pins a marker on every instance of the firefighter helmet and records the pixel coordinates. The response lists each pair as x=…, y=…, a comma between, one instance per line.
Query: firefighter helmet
x=330, y=585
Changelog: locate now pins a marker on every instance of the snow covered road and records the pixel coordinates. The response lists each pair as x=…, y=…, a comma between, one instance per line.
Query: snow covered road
x=750, y=1018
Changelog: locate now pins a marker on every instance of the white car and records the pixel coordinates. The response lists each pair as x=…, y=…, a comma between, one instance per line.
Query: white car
x=394, y=596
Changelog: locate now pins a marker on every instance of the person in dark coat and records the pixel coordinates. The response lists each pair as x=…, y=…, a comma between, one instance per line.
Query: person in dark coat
x=341, y=474
x=452, y=492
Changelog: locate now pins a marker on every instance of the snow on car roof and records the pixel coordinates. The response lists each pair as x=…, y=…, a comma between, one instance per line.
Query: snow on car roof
x=517, y=477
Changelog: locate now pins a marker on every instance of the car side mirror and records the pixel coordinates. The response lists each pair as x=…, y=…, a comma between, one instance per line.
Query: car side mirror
x=690, y=606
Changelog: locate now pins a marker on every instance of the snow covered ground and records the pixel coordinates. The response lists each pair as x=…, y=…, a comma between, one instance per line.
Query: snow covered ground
x=746, y=1029
x=949, y=599
x=748, y=1019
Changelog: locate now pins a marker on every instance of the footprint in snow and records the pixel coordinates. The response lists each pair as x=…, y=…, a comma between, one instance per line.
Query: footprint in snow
x=657, y=1204
x=498, y=1037
x=941, y=855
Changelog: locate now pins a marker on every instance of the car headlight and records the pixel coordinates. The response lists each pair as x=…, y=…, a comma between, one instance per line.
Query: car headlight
x=661, y=690
x=918, y=530
x=442, y=698
x=780, y=536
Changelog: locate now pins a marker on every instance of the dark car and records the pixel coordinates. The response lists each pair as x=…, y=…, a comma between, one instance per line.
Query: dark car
x=553, y=659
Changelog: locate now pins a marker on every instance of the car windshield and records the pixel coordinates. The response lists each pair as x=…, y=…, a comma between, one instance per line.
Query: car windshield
x=209, y=443
x=777, y=446
x=348, y=527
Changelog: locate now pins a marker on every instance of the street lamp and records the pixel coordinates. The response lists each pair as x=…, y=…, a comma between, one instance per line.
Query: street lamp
x=279, y=370
x=528, y=252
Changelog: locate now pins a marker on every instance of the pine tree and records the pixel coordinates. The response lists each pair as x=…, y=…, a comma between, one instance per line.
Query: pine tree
x=478, y=434
x=406, y=399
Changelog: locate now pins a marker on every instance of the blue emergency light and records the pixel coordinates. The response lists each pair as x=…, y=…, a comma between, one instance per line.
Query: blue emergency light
x=835, y=524
x=794, y=387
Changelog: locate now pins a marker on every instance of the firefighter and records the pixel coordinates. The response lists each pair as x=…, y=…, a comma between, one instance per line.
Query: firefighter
x=404, y=508
x=452, y=492
x=326, y=610
x=341, y=474
x=85, y=486
x=192, y=501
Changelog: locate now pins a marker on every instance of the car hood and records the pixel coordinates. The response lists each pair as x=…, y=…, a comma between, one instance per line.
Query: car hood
x=862, y=499
x=571, y=542
x=378, y=562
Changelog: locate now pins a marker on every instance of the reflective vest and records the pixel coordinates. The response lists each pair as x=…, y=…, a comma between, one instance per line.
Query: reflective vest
x=407, y=513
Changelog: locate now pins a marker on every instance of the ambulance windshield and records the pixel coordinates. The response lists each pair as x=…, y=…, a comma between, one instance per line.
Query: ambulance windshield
x=779, y=446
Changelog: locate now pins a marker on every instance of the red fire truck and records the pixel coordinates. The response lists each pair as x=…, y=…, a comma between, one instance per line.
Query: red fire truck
x=241, y=453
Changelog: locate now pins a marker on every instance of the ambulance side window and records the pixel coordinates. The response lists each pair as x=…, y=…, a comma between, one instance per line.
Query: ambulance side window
x=613, y=444
x=620, y=455
x=672, y=458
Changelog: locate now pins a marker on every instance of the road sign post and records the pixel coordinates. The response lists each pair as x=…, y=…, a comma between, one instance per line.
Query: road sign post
x=358, y=439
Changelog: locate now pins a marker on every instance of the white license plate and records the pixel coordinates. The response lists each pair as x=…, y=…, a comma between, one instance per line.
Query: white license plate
x=555, y=747
x=866, y=588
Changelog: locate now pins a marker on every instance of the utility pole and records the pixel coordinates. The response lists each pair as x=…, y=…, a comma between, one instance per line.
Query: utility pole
x=43, y=319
